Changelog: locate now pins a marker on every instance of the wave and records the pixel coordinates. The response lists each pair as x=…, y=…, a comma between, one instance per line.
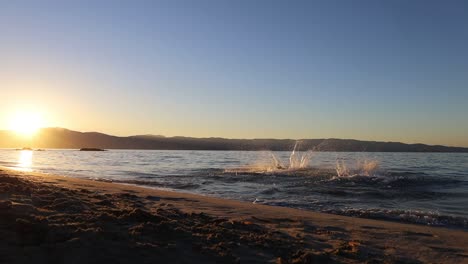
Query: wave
x=389, y=187
x=407, y=216
x=144, y=175
x=171, y=185
x=323, y=175
x=270, y=191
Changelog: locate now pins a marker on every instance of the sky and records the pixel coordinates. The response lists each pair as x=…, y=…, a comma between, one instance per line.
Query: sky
x=369, y=70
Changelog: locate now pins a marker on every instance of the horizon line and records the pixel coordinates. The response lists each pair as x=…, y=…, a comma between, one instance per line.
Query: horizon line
x=229, y=138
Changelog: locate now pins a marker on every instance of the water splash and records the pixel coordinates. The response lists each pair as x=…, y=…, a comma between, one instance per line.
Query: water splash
x=362, y=168
x=368, y=167
x=341, y=169
x=297, y=160
x=299, y=163
x=276, y=162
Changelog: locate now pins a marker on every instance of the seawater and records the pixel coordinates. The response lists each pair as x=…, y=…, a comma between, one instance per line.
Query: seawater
x=424, y=188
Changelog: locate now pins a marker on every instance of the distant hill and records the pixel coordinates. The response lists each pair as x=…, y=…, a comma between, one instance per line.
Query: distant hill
x=64, y=138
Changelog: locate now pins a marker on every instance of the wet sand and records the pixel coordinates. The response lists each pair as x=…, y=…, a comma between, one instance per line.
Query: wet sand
x=56, y=219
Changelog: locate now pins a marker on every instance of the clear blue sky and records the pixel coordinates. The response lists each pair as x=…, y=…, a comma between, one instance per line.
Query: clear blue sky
x=377, y=70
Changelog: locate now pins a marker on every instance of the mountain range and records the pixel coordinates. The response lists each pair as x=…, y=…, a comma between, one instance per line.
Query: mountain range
x=68, y=139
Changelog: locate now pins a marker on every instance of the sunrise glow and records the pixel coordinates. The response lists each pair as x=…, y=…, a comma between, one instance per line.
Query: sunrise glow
x=26, y=123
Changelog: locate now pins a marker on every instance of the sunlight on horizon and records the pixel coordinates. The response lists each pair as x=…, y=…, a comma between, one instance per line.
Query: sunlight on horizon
x=26, y=123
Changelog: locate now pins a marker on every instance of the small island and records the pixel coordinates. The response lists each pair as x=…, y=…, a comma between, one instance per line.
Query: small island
x=92, y=149
x=25, y=148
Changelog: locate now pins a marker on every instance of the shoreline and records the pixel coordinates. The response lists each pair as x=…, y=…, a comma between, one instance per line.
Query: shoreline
x=415, y=221
x=417, y=217
x=79, y=215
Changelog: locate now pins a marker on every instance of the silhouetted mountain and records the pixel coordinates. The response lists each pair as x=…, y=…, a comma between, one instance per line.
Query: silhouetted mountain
x=149, y=136
x=64, y=138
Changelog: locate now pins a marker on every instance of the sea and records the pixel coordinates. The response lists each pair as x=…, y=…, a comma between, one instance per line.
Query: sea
x=421, y=188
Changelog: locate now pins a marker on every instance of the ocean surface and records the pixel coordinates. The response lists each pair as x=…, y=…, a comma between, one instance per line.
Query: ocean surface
x=424, y=188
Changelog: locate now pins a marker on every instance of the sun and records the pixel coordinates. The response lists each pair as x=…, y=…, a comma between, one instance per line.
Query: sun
x=26, y=123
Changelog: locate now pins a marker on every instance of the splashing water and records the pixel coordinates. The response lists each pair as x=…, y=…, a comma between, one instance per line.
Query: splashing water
x=300, y=161
x=363, y=168
x=341, y=169
x=297, y=161
x=276, y=162
x=368, y=167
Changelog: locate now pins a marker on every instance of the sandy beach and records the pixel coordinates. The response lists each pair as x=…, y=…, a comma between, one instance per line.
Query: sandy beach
x=57, y=219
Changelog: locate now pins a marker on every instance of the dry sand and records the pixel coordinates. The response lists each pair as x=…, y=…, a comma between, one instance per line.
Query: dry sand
x=56, y=219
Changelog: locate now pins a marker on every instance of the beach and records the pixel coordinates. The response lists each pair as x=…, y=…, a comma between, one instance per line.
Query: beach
x=56, y=219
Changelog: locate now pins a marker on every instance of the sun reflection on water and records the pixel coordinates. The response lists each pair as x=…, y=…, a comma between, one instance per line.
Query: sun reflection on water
x=25, y=160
